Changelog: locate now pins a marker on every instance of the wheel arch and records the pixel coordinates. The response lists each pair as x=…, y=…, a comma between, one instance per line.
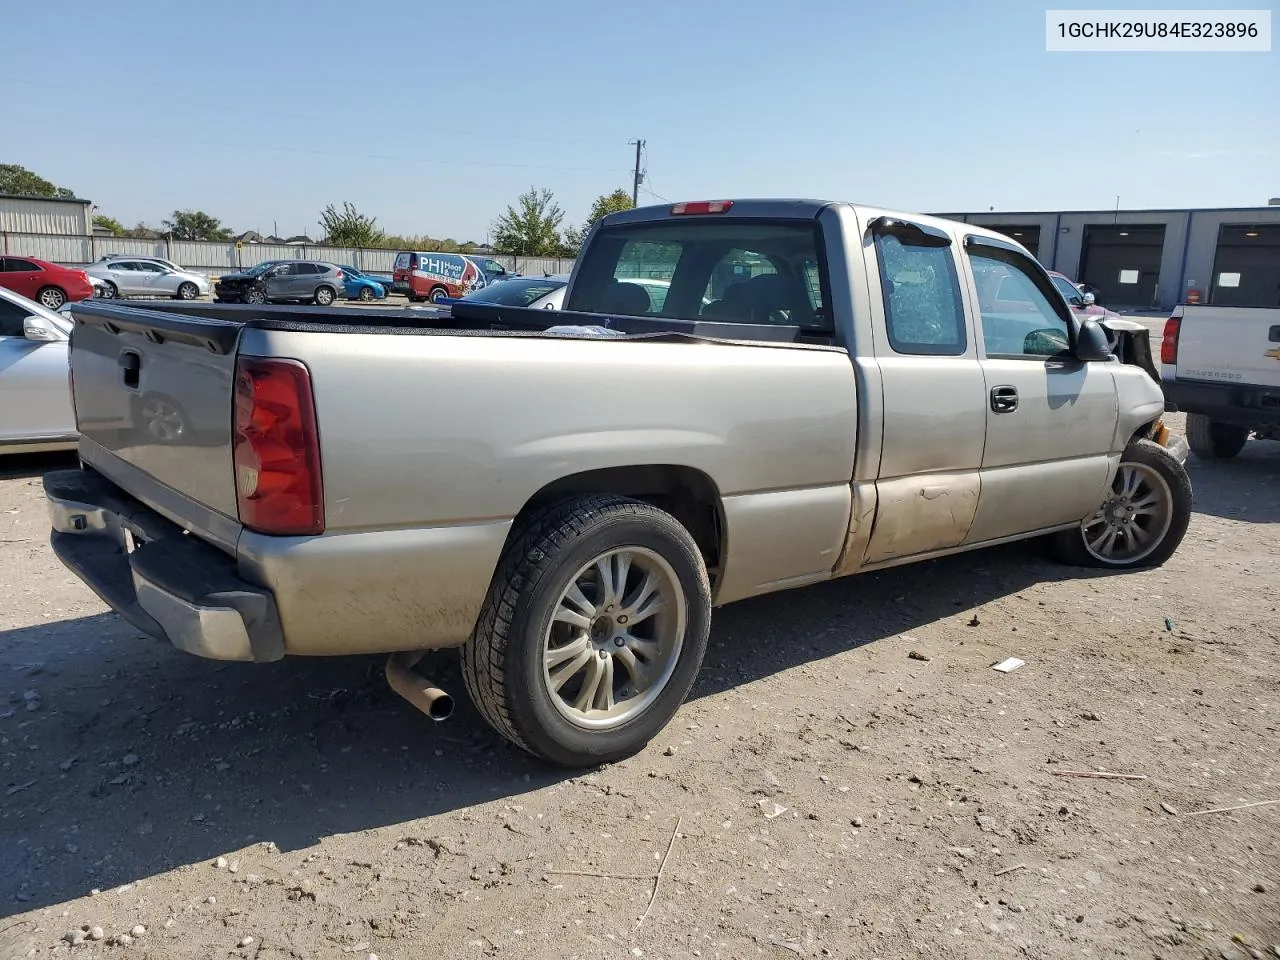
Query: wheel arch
x=687, y=493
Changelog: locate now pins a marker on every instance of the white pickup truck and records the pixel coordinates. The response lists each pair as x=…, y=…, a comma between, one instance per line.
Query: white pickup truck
x=822, y=389
x=1221, y=366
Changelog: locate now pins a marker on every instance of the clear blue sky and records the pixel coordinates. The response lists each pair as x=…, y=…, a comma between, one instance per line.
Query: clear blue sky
x=433, y=116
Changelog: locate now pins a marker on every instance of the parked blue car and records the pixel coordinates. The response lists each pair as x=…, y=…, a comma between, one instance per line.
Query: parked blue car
x=361, y=287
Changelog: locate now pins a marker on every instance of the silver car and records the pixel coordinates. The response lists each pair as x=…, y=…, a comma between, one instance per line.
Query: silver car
x=142, y=277
x=35, y=401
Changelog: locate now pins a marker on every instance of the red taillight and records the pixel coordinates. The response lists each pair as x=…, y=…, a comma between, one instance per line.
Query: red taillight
x=277, y=448
x=340, y=274
x=700, y=207
x=1169, y=345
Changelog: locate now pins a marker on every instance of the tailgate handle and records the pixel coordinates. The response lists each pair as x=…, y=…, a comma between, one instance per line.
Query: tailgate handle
x=1274, y=335
x=130, y=365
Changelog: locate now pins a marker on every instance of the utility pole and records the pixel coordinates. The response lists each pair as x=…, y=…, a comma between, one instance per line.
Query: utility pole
x=639, y=174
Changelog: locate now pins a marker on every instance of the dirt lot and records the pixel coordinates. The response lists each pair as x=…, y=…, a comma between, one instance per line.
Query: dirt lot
x=850, y=778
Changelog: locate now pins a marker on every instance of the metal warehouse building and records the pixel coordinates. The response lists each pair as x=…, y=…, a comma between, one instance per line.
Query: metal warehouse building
x=66, y=218
x=1156, y=258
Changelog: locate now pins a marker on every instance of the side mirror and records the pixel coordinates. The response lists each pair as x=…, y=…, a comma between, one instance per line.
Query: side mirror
x=1089, y=299
x=1092, y=344
x=38, y=330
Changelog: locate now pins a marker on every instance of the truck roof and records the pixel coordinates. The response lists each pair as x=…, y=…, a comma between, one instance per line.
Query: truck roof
x=801, y=209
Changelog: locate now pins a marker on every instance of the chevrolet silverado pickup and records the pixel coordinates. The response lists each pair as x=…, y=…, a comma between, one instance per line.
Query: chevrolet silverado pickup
x=1221, y=366
x=823, y=389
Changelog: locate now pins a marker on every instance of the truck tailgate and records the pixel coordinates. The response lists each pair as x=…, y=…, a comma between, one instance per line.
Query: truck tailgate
x=156, y=394
x=1230, y=345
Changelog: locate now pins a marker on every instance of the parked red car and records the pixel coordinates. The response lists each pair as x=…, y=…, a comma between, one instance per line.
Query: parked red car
x=46, y=283
x=1082, y=304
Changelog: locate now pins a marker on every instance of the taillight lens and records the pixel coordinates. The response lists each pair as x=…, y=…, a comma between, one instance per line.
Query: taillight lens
x=340, y=274
x=1169, y=345
x=277, y=448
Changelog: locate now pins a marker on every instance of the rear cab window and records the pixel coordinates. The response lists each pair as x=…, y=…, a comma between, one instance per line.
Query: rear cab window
x=719, y=269
x=924, y=314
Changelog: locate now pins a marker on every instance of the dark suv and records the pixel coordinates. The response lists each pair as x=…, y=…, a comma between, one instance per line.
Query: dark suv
x=310, y=281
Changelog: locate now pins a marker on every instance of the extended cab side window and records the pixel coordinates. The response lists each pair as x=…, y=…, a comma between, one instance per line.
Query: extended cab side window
x=922, y=306
x=1017, y=304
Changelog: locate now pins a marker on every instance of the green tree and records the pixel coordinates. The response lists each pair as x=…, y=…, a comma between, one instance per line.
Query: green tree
x=24, y=183
x=531, y=228
x=102, y=221
x=606, y=204
x=142, y=231
x=195, y=225
x=349, y=227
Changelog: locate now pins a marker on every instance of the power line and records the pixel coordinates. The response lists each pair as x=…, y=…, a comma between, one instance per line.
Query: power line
x=238, y=108
x=252, y=148
x=648, y=179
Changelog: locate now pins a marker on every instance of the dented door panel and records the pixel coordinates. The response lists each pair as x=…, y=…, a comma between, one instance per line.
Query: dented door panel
x=923, y=513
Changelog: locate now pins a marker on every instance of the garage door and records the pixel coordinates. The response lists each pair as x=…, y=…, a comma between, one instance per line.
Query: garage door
x=1123, y=262
x=1029, y=237
x=1246, y=269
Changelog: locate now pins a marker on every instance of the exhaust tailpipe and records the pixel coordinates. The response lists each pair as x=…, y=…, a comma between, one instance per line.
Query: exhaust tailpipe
x=418, y=690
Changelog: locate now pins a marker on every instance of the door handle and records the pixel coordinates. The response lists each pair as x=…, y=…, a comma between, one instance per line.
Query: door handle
x=1004, y=399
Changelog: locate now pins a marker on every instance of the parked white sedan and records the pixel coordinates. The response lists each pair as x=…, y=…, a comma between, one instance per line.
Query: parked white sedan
x=142, y=277
x=35, y=398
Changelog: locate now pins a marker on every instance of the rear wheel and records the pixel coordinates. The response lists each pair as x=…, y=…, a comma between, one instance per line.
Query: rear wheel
x=1214, y=441
x=1143, y=519
x=438, y=294
x=324, y=296
x=593, y=630
x=188, y=291
x=52, y=297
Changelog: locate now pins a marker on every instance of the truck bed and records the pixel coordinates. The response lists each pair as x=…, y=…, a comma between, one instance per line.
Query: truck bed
x=217, y=325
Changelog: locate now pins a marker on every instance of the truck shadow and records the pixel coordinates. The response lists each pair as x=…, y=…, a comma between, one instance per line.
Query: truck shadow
x=26, y=465
x=1244, y=488
x=122, y=759
x=135, y=759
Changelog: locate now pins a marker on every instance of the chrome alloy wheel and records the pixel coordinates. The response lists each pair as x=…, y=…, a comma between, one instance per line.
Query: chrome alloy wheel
x=615, y=638
x=1134, y=519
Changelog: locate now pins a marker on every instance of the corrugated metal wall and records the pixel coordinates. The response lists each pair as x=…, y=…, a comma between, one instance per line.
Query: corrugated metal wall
x=38, y=215
x=225, y=257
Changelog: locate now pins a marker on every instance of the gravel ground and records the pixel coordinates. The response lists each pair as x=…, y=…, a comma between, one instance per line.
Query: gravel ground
x=850, y=778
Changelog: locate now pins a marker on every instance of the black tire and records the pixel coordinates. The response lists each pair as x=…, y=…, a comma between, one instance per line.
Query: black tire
x=366, y=294
x=51, y=297
x=1070, y=547
x=1211, y=440
x=109, y=291
x=255, y=295
x=324, y=296
x=502, y=662
x=187, y=291
x=437, y=294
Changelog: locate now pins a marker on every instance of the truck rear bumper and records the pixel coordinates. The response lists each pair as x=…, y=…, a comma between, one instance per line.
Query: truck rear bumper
x=1248, y=406
x=166, y=583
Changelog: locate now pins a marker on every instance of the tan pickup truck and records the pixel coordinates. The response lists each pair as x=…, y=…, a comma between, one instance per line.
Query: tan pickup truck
x=815, y=390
